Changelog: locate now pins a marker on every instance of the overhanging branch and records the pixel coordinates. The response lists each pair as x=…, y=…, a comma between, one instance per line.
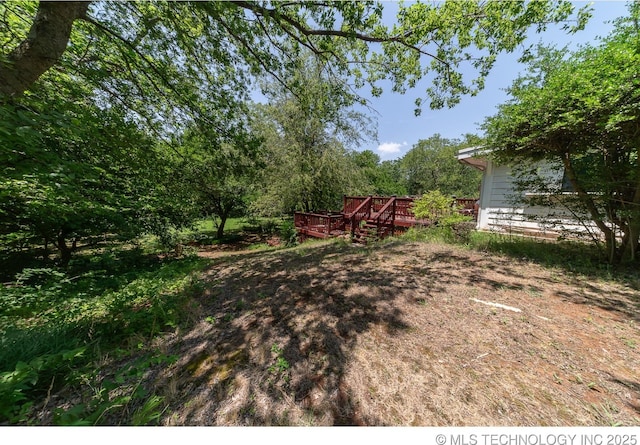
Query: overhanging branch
x=46, y=42
x=308, y=32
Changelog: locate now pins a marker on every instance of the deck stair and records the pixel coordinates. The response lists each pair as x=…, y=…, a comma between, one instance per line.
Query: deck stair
x=365, y=233
x=370, y=232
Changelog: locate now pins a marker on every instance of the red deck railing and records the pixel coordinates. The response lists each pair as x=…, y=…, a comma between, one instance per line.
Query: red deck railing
x=351, y=203
x=388, y=214
x=317, y=224
x=358, y=213
x=467, y=206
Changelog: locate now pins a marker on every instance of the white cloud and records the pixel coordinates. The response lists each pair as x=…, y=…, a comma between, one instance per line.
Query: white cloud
x=391, y=147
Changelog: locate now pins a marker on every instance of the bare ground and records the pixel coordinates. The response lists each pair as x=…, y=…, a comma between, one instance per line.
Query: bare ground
x=401, y=334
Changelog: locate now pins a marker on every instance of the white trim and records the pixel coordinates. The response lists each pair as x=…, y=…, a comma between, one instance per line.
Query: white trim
x=474, y=157
x=472, y=152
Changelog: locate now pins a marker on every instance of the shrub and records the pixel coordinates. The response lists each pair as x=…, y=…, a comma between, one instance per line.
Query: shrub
x=458, y=228
x=288, y=233
x=433, y=206
x=447, y=224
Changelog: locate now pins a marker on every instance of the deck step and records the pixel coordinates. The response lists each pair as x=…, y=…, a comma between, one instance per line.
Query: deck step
x=367, y=233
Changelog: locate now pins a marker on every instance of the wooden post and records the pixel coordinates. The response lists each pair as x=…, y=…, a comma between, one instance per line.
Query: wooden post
x=352, y=222
x=327, y=226
x=393, y=216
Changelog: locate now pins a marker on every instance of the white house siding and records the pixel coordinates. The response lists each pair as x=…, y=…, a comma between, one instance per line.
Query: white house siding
x=500, y=212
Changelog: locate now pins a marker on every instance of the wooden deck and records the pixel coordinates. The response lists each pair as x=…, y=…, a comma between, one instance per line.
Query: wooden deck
x=367, y=217
x=319, y=225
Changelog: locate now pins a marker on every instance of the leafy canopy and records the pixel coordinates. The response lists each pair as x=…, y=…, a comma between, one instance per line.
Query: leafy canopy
x=307, y=140
x=179, y=52
x=431, y=164
x=582, y=114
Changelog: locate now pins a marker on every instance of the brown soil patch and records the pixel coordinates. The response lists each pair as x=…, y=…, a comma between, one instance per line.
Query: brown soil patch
x=398, y=334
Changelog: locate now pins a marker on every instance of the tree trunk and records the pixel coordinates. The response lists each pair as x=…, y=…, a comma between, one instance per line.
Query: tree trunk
x=223, y=220
x=587, y=201
x=65, y=251
x=630, y=250
x=634, y=217
x=45, y=253
x=223, y=209
x=43, y=47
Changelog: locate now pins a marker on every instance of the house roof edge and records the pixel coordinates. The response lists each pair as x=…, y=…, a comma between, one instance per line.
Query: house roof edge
x=476, y=157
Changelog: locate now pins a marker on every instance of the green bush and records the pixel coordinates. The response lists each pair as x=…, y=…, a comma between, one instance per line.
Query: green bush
x=288, y=233
x=17, y=387
x=446, y=223
x=457, y=228
x=268, y=227
x=54, y=323
x=432, y=206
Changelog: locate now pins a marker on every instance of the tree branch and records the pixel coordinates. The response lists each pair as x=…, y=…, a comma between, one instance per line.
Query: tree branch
x=43, y=47
x=307, y=32
x=248, y=47
x=587, y=200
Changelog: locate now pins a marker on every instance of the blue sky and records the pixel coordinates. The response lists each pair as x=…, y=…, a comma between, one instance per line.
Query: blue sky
x=399, y=129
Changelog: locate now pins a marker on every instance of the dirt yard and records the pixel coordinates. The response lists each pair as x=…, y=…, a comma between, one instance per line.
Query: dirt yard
x=402, y=334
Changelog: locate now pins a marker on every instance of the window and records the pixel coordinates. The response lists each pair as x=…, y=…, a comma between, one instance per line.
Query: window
x=566, y=184
x=588, y=169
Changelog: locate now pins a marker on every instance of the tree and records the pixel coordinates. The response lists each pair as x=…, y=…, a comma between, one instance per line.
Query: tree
x=219, y=179
x=72, y=172
x=389, y=180
x=431, y=164
x=142, y=47
x=581, y=116
x=383, y=178
x=75, y=173
x=44, y=45
x=308, y=139
x=305, y=171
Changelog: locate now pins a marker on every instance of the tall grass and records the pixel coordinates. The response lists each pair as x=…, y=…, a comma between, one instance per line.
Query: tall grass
x=55, y=323
x=572, y=256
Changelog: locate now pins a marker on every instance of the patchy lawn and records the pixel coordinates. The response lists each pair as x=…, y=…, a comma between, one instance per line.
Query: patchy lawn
x=401, y=334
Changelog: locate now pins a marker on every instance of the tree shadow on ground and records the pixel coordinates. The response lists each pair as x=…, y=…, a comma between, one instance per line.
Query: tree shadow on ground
x=624, y=302
x=569, y=256
x=583, y=264
x=281, y=327
x=276, y=331
x=633, y=387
